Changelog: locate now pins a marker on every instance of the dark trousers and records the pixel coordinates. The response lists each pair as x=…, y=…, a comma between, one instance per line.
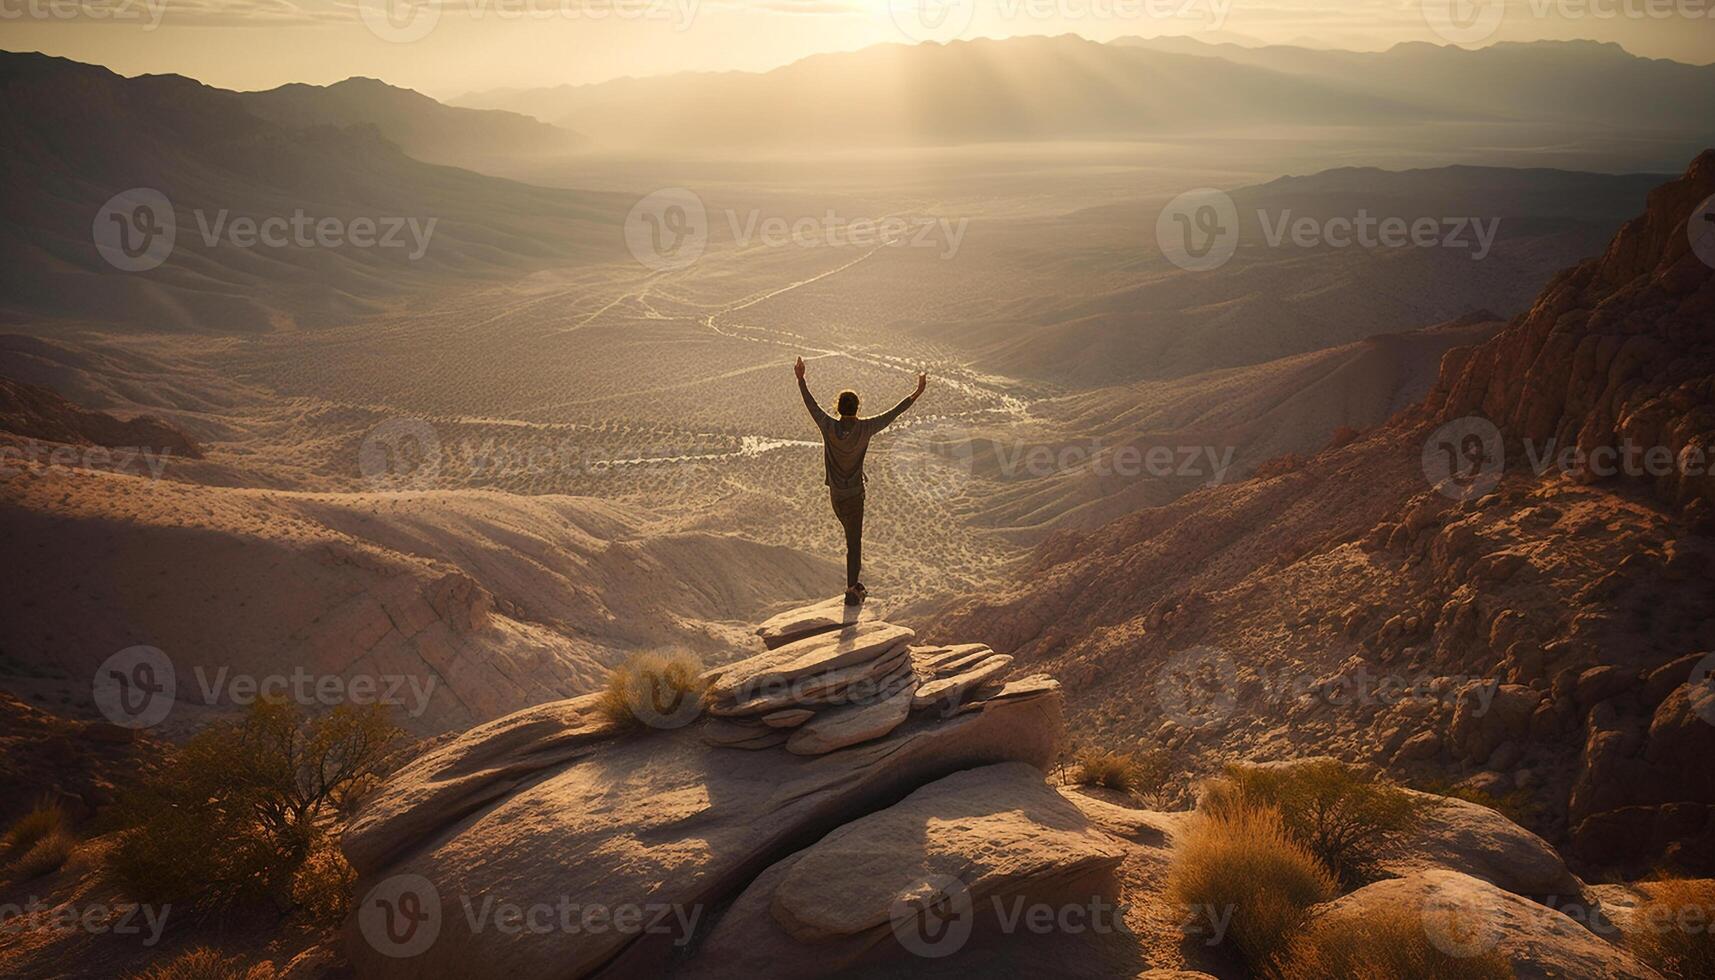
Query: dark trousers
x=850, y=513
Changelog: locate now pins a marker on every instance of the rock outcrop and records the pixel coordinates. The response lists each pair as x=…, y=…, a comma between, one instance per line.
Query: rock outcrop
x=838, y=675
x=1465, y=916
x=556, y=808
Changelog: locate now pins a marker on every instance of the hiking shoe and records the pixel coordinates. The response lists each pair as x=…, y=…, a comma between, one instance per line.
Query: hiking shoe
x=856, y=595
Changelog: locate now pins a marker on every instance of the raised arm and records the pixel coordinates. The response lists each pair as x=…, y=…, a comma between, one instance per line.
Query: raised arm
x=820, y=416
x=886, y=418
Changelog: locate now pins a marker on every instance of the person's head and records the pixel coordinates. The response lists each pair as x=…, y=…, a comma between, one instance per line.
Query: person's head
x=848, y=403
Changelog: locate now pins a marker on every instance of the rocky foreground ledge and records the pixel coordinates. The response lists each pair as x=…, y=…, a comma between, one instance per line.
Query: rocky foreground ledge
x=838, y=775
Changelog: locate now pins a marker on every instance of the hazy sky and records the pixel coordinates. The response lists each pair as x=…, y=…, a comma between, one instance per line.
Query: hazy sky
x=449, y=47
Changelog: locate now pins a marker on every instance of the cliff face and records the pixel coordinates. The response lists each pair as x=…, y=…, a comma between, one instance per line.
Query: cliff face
x=1529, y=637
x=1618, y=350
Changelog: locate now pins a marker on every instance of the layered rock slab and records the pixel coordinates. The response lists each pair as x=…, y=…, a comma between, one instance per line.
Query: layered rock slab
x=965, y=842
x=548, y=806
x=831, y=614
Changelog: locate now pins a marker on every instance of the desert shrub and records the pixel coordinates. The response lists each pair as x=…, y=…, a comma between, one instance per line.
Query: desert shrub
x=45, y=856
x=243, y=803
x=43, y=819
x=1516, y=805
x=203, y=963
x=1387, y=945
x=321, y=887
x=1672, y=931
x=1345, y=816
x=1242, y=860
x=1277, y=466
x=1142, y=772
x=651, y=687
x=1342, y=436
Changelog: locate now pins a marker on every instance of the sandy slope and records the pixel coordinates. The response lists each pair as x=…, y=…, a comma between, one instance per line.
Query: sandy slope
x=497, y=601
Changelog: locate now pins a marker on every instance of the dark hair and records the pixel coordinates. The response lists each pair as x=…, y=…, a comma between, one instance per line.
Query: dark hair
x=848, y=403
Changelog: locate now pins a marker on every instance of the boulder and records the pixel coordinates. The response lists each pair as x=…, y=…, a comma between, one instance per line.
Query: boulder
x=969, y=843
x=1458, y=835
x=553, y=805
x=831, y=614
x=1466, y=916
x=1486, y=714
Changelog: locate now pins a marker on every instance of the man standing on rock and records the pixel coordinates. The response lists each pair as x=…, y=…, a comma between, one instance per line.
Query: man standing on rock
x=845, y=440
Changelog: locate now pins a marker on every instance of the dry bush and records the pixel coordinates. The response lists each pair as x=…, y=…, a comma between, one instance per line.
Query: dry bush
x=1278, y=466
x=1142, y=773
x=204, y=963
x=1673, y=930
x=244, y=803
x=321, y=888
x=1387, y=945
x=47, y=855
x=1344, y=815
x=43, y=819
x=651, y=687
x=1516, y=805
x=1243, y=860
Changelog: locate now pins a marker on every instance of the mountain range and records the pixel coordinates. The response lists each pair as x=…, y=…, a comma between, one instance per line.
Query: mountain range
x=1067, y=87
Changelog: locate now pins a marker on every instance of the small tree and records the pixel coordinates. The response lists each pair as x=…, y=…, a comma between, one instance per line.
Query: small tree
x=243, y=803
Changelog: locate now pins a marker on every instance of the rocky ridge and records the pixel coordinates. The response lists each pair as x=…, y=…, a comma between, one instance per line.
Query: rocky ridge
x=920, y=759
